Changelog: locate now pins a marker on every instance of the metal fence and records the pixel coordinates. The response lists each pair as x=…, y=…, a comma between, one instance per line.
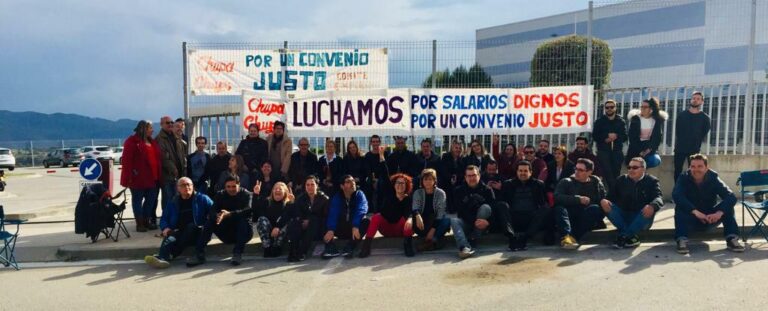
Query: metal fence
x=33, y=152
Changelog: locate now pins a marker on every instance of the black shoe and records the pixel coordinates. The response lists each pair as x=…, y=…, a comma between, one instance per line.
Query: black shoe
x=365, y=249
x=408, y=246
x=682, y=247
x=274, y=252
x=195, y=261
x=599, y=225
x=236, y=259
x=522, y=243
x=620, y=242
x=632, y=242
x=349, y=250
x=330, y=251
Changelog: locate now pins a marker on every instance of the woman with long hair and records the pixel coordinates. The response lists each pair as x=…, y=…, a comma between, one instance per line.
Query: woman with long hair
x=477, y=156
x=557, y=170
x=270, y=217
x=331, y=169
x=354, y=164
x=141, y=173
x=506, y=160
x=235, y=166
x=646, y=129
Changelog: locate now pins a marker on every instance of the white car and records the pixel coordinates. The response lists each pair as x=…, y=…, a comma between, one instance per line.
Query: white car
x=118, y=153
x=7, y=160
x=98, y=152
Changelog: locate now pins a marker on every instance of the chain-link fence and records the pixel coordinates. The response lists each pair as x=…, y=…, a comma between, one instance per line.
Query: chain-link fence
x=35, y=152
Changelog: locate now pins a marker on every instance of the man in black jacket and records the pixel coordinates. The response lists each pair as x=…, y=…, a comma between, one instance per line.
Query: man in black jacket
x=576, y=203
x=197, y=165
x=527, y=202
x=632, y=204
x=229, y=219
x=691, y=128
x=303, y=163
x=425, y=159
x=254, y=150
x=474, y=206
x=402, y=160
x=219, y=163
x=609, y=134
x=696, y=206
x=378, y=171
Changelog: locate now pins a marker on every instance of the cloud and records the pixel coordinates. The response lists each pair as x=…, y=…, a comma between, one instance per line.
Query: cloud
x=122, y=59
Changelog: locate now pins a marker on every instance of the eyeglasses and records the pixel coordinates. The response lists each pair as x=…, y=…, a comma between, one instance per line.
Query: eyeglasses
x=400, y=183
x=634, y=167
x=169, y=122
x=609, y=107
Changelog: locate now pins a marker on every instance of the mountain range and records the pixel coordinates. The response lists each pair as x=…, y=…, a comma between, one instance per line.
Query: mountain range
x=19, y=126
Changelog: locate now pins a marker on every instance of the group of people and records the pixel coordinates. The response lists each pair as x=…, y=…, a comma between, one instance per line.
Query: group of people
x=294, y=200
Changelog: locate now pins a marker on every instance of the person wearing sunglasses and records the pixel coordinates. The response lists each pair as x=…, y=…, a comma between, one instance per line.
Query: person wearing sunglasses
x=173, y=155
x=632, y=204
x=576, y=204
x=610, y=133
x=539, y=166
x=646, y=129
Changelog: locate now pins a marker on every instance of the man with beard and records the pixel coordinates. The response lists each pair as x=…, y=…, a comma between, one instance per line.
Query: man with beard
x=402, y=160
x=543, y=152
x=691, y=128
x=582, y=152
x=218, y=164
x=610, y=133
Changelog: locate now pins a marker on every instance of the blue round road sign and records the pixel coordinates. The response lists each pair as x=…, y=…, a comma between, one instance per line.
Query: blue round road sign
x=90, y=169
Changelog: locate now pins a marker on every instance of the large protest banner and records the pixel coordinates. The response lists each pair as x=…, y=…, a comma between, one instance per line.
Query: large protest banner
x=230, y=71
x=426, y=112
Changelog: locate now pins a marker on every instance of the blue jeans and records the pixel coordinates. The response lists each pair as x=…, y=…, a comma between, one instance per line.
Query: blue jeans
x=441, y=228
x=459, y=227
x=168, y=191
x=577, y=220
x=629, y=223
x=685, y=221
x=176, y=242
x=143, y=202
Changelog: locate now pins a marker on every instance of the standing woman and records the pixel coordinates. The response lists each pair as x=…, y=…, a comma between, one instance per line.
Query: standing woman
x=235, y=166
x=506, y=160
x=141, y=172
x=477, y=156
x=645, y=129
x=429, y=204
x=331, y=168
x=354, y=164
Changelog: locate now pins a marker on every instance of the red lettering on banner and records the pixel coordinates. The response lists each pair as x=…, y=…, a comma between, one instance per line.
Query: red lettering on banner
x=558, y=119
x=257, y=105
x=207, y=63
x=545, y=101
x=203, y=82
x=264, y=126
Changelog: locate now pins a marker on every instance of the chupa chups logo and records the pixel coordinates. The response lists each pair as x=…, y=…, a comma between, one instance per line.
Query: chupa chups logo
x=207, y=63
x=218, y=86
x=257, y=105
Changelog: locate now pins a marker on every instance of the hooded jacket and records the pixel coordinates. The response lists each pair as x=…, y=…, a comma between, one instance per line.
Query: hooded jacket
x=635, y=144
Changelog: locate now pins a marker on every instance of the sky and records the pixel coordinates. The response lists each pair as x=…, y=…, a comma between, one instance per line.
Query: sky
x=123, y=59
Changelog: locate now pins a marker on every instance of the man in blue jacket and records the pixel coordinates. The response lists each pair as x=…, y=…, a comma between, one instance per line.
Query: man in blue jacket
x=181, y=224
x=346, y=219
x=696, y=206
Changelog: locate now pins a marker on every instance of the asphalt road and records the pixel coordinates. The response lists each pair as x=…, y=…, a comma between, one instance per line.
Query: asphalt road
x=593, y=278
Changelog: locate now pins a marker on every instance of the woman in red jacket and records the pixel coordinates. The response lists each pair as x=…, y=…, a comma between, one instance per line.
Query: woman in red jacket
x=141, y=173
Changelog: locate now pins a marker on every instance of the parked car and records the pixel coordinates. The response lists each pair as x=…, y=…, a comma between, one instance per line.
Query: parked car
x=7, y=160
x=118, y=152
x=64, y=157
x=98, y=152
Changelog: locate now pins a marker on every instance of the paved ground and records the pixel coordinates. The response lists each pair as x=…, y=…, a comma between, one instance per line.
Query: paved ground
x=594, y=278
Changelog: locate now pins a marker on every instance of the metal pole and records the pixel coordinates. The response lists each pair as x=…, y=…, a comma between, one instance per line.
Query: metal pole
x=434, y=63
x=748, y=100
x=185, y=87
x=589, y=45
x=32, y=152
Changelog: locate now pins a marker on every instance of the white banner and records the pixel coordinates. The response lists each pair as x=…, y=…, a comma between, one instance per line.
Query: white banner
x=229, y=72
x=426, y=112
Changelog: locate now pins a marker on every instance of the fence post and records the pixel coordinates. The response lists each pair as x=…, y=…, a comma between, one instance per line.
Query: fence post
x=589, y=45
x=185, y=87
x=32, y=152
x=748, y=136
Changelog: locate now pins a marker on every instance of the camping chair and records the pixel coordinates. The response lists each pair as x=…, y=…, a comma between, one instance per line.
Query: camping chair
x=757, y=206
x=117, y=212
x=7, y=255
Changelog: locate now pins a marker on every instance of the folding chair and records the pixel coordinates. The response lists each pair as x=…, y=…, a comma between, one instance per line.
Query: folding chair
x=753, y=202
x=7, y=255
x=117, y=212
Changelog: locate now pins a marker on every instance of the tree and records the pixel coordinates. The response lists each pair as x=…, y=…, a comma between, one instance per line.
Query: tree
x=460, y=77
x=563, y=61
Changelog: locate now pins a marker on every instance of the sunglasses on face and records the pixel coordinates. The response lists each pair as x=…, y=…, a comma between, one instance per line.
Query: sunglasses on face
x=169, y=122
x=610, y=107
